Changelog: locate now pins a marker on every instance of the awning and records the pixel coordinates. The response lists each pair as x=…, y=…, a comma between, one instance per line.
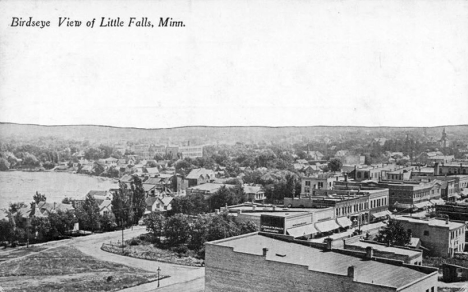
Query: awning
x=403, y=206
x=344, y=222
x=302, y=230
x=326, y=226
x=421, y=205
x=382, y=214
x=438, y=202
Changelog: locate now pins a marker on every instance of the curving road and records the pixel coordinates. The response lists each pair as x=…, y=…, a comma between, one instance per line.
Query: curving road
x=182, y=278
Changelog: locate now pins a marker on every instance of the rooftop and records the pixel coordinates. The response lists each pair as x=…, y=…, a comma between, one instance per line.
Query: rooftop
x=368, y=271
x=382, y=247
x=432, y=222
x=210, y=187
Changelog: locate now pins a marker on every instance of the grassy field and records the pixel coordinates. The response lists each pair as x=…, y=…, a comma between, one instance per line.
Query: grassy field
x=67, y=269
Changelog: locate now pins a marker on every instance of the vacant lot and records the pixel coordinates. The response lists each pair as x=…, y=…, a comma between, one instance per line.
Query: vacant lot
x=67, y=269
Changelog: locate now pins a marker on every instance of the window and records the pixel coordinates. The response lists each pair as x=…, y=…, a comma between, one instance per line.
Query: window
x=307, y=183
x=426, y=232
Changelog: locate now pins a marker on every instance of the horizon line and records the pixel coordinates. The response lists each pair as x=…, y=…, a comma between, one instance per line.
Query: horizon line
x=232, y=126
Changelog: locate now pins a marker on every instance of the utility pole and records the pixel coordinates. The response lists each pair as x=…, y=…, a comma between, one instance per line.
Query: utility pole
x=122, y=235
x=159, y=270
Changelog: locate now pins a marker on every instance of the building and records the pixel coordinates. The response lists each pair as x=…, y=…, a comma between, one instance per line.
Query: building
x=442, y=237
x=258, y=262
x=440, y=159
x=451, y=168
x=319, y=181
x=191, y=151
x=454, y=210
x=254, y=193
x=207, y=189
x=200, y=176
x=407, y=255
x=172, y=152
x=373, y=172
x=361, y=206
x=407, y=195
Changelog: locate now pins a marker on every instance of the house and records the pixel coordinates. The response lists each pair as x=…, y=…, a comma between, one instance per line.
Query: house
x=254, y=192
x=47, y=208
x=158, y=204
x=200, y=176
x=265, y=262
x=105, y=207
x=315, y=155
x=152, y=171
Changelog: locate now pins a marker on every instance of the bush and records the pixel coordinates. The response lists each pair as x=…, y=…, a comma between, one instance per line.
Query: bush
x=181, y=249
x=134, y=241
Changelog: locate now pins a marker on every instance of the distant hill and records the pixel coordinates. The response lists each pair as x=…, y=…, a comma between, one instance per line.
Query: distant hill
x=198, y=135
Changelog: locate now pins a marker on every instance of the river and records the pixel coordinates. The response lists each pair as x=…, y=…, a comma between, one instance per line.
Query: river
x=18, y=186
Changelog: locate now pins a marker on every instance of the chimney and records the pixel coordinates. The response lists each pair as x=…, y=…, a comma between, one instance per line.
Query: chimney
x=216, y=211
x=253, y=207
x=265, y=251
x=447, y=220
x=352, y=273
x=369, y=252
x=328, y=242
x=239, y=212
x=55, y=204
x=274, y=208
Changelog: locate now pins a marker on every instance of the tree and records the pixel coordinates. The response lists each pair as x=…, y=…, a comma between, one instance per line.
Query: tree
x=121, y=205
x=38, y=197
x=394, y=234
x=6, y=230
x=155, y=224
x=199, y=232
x=40, y=227
x=88, y=214
x=221, y=227
x=248, y=227
x=138, y=199
x=108, y=222
x=177, y=229
x=30, y=160
x=191, y=205
x=335, y=164
x=4, y=164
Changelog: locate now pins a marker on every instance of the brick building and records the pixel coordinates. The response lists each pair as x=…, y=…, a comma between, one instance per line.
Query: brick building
x=257, y=262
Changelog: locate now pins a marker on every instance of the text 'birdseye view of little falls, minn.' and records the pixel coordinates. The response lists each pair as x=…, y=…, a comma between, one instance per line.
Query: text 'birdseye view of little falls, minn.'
x=93, y=208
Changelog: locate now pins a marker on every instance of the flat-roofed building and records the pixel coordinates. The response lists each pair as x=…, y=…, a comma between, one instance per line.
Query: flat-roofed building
x=442, y=237
x=320, y=181
x=258, y=262
x=207, y=189
x=191, y=151
x=451, y=168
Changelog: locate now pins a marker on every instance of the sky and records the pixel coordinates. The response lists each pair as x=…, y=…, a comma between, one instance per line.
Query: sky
x=237, y=63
